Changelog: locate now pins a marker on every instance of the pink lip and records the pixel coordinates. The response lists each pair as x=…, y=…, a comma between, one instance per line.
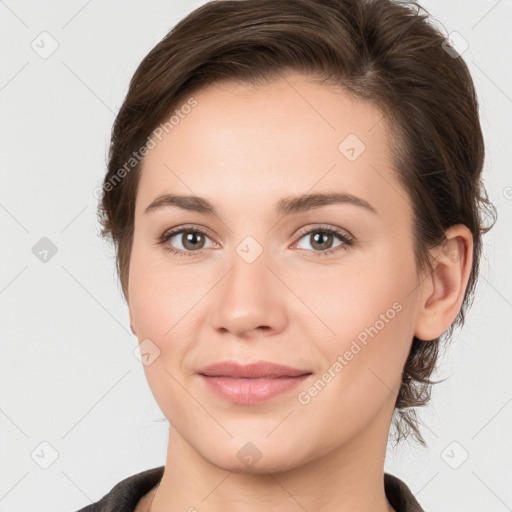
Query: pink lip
x=252, y=383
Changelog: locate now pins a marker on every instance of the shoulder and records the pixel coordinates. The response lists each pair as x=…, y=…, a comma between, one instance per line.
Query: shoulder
x=399, y=495
x=125, y=495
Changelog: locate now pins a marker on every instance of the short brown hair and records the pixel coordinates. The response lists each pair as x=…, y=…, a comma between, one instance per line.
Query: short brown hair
x=382, y=51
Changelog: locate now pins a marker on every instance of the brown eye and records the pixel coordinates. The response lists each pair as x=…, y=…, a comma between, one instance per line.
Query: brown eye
x=321, y=239
x=192, y=240
x=185, y=242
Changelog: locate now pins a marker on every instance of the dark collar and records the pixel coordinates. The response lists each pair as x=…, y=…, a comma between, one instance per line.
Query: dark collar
x=399, y=495
x=125, y=495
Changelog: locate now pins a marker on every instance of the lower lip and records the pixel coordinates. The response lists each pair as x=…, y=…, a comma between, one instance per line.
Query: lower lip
x=251, y=391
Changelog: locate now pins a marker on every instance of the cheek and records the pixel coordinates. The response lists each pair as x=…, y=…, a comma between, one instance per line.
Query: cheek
x=159, y=298
x=363, y=367
x=165, y=302
x=367, y=316
x=161, y=307
x=346, y=299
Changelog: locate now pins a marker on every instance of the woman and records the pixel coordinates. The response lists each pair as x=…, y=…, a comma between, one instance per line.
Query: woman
x=294, y=193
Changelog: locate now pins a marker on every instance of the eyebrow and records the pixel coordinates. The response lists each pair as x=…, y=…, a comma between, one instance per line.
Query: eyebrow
x=286, y=206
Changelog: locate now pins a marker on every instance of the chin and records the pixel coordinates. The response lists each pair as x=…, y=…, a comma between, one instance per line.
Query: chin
x=258, y=457
x=262, y=467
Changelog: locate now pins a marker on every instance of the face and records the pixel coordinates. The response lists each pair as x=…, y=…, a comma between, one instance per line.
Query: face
x=327, y=288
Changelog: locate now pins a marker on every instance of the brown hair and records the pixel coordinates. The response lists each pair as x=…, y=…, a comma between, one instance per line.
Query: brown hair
x=385, y=52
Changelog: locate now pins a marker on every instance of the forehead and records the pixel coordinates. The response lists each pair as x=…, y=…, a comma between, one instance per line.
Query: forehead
x=252, y=143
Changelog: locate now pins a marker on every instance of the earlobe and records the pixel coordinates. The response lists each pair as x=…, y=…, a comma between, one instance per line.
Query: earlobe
x=443, y=290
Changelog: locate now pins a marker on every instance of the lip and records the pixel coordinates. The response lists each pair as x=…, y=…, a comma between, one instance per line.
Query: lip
x=252, y=383
x=254, y=370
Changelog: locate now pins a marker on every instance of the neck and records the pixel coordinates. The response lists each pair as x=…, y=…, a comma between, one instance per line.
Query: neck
x=349, y=478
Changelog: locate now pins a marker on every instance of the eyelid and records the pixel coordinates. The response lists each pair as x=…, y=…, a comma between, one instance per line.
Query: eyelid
x=324, y=227
x=187, y=227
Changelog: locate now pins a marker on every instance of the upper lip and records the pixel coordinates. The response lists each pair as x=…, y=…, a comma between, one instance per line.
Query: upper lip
x=251, y=371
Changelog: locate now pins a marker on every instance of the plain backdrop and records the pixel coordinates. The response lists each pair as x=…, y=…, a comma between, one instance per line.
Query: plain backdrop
x=76, y=413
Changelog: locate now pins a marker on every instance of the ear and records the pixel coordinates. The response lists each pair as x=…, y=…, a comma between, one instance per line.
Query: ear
x=442, y=291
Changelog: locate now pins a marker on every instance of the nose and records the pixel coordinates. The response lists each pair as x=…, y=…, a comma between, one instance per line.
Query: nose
x=250, y=299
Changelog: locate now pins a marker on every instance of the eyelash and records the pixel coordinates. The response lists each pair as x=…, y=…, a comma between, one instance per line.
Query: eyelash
x=347, y=240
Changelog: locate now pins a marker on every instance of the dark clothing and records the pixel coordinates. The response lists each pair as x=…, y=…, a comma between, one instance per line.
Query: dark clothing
x=125, y=495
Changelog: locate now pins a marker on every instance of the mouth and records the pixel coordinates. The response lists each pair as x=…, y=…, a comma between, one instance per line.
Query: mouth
x=252, y=383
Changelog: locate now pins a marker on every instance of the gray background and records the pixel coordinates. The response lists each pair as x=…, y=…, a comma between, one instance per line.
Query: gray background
x=68, y=375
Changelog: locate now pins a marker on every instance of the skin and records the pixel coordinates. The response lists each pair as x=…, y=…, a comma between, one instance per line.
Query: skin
x=245, y=148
